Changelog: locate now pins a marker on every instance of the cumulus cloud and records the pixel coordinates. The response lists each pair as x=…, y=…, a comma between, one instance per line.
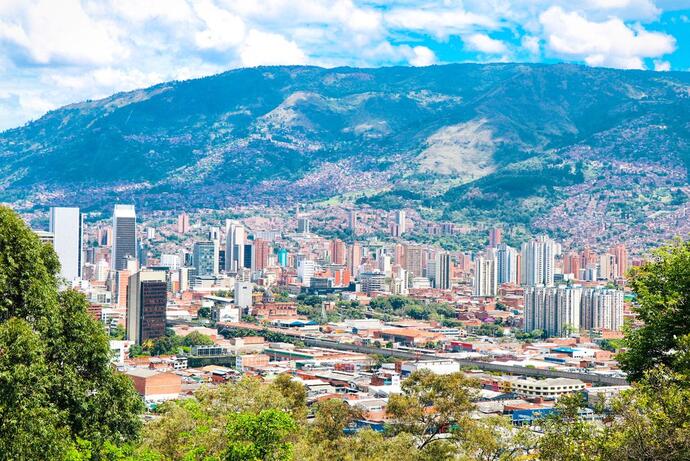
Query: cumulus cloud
x=263, y=48
x=48, y=32
x=484, y=44
x=55, y=52
x=609, y=43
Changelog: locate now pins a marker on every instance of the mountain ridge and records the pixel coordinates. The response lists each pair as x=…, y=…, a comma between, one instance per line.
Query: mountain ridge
x=463, y=136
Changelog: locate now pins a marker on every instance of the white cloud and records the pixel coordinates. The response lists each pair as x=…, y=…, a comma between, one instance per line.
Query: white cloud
x=661, y=66
x=264, y=48
x=439, y=23
x=609, y=43
x=484, y=44
x=223, y=29
x=531, y=44
x=423, y=56
x=51, y=32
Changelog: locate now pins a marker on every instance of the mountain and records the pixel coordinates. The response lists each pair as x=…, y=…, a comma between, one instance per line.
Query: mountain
x=561, y=147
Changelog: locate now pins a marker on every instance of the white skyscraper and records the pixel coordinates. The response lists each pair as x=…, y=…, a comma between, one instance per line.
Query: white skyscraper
x=235, y=241
x=124, y=236
x=401, y=221
x=66, y=225
x=507, y=261
x=485, y=276
x=602, y=309
x=555, y=310
x=442, y=276
x=538, y=261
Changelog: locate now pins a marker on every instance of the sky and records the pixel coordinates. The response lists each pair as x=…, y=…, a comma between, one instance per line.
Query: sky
x=54, y=52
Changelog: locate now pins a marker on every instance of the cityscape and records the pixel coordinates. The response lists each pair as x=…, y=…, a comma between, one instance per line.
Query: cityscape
x=348, y=230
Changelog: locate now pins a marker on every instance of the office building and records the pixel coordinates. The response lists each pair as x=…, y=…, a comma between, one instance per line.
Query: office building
x=124, y=236
x=414, y=260
x=443, y=267
x=205, y=258
x=243, y=295
x=373, y=282
x=67, y=227
x=262, y=251
x=235, y=241
x=146, y=305
x=303, y=226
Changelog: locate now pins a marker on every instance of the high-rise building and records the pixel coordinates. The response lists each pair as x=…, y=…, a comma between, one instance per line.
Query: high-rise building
x=354, y=258
x=507, y=262
x=337, y=251
x=572, y=263
x=485, y=276
x=352, y=221
x=373, y=281
x=306, y=270
x=205, y=258
x=602, y=309
x=67, y=227
x=235, y=236
x=607, y=266
x=124, y=236
x=147, y=299
x=303, y=226
x=443, y=271
x=538, y=261
x=620, y=255
x=262, y=250
x=495, y=237
x=555, y=310
x=414, y=260
x=119, y=290
x=282, y=257
x=183, y=223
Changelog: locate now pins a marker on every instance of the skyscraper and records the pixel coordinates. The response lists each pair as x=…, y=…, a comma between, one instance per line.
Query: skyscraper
x=354, y=258
x=147, y=300
x=507, y=261
x=124, y=236
x=303, y=226
x=443, y=271
x=538, y=261
x=66, y=225
x=205, y=258
x=262, y=250
x=401, y=221
x=485, y=276
x=620, y=255
x=555, y=310
x=414, y=260
x=337, y=251
x=235, y=236
x=495, y=237
x=602, y=309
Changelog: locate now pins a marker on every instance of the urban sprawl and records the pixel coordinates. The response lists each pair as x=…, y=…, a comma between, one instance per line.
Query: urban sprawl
x=192, y=302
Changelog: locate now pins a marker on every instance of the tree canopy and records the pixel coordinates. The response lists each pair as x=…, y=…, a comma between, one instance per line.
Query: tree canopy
x=56, y=382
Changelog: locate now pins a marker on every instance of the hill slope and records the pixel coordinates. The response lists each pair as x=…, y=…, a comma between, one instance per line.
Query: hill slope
x=513, y=142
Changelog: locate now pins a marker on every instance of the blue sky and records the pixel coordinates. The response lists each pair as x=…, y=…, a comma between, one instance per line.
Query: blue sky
x=53, y=52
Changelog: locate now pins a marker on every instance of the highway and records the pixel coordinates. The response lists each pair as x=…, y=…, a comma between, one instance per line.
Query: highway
x=601, y=380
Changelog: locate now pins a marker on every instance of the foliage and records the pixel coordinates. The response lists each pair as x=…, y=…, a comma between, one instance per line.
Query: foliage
x=450, y=397
x=58, y=384
x=258, y=437
x=663, y=305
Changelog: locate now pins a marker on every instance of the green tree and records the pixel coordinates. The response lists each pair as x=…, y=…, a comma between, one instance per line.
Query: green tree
x=431, y=404
x=662, y=287
x=90, y=400
x=265, y=436
x=197, y=339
